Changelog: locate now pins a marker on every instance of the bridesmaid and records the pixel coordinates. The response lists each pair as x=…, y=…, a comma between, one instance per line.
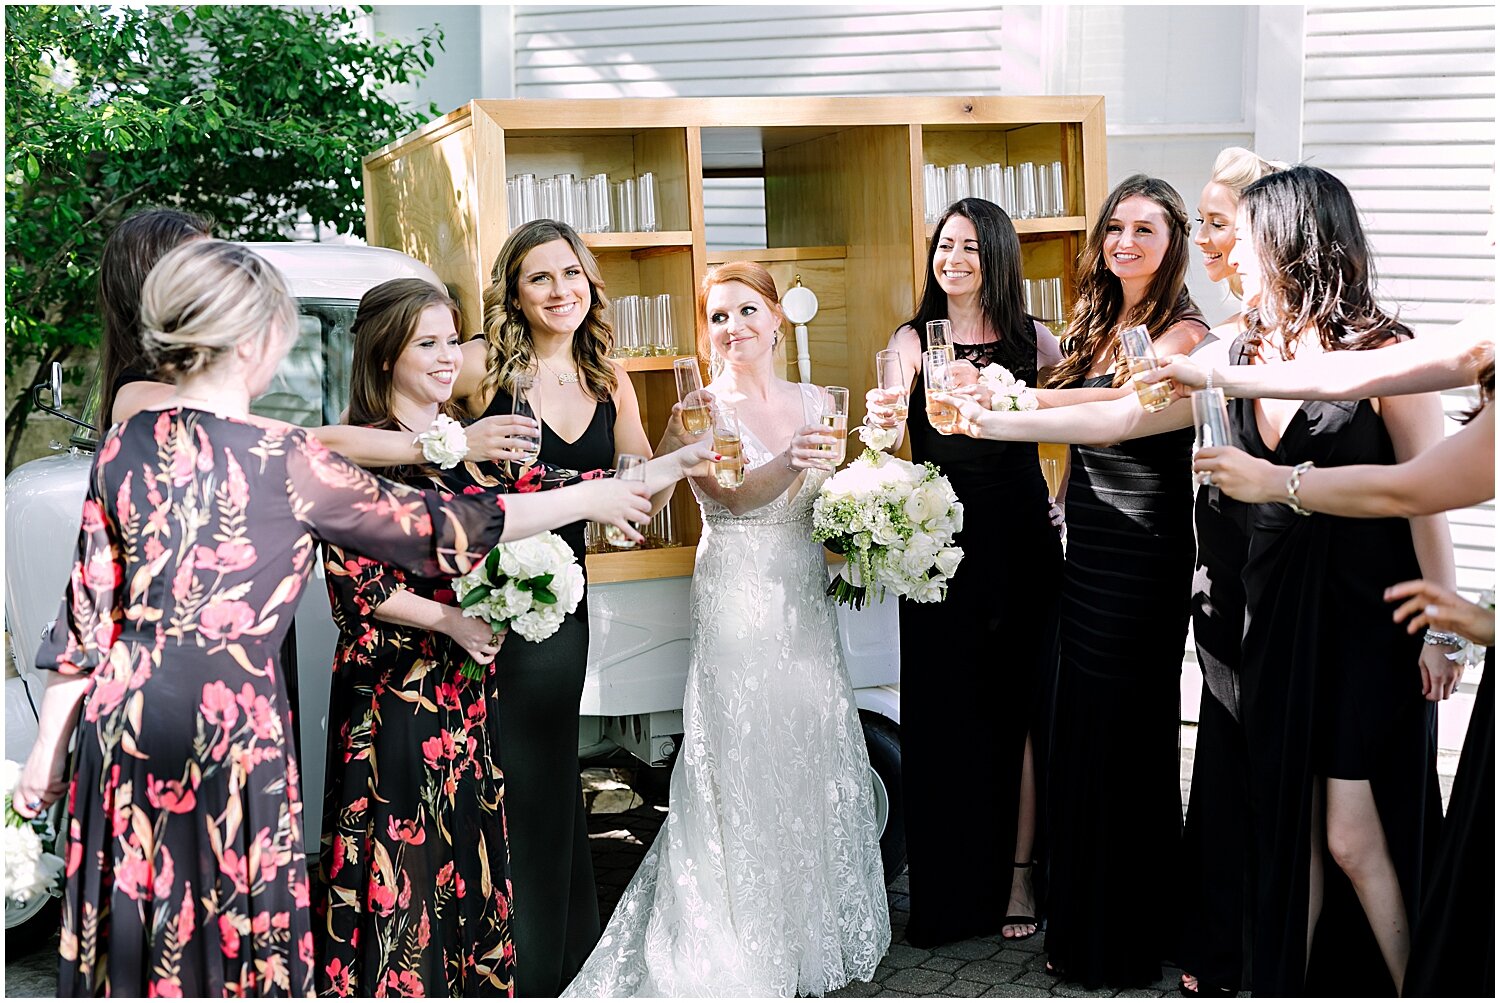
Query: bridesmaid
x=970, y=860
x=545, y=321
x=1215, y=860
x=1117, y=810
x=1340, y=740
x=405, y=833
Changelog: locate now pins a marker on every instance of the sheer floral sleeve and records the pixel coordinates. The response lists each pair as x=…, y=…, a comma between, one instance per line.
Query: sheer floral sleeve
x=428, y=533
x=89, y=620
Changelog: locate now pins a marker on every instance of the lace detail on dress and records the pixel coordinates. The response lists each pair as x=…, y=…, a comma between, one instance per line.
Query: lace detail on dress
x=766, y=879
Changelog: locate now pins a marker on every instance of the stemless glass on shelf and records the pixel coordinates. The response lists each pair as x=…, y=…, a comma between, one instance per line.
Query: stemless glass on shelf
x=628, y=467
x=521, y=408
x=729, y=469
x=695, y=416
x=665, y=341
x=836, y=421
x=937, y=374
x=890, y=375
x=1210, y=423
x=645, y=202
x=1140, y=356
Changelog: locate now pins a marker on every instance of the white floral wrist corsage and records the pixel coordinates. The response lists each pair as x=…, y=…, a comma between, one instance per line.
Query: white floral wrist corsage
x=444, y=443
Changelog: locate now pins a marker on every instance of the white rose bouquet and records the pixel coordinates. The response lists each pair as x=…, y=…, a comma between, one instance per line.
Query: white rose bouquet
x=1006, y=392
x=894, y=521
x=527, y=586
x=30, y=868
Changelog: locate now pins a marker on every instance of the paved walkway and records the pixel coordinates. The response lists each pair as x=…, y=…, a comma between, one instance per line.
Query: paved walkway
x=622, y=825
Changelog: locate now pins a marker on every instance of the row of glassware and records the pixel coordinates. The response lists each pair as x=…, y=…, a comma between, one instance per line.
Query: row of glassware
x=643, y=326
x=590, y=205
x=659, y=532
x=1024, y=191
x=1044, y=301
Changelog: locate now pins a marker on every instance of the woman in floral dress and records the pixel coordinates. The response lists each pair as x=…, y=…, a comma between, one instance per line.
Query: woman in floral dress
x=414, y=896
x=185, y=871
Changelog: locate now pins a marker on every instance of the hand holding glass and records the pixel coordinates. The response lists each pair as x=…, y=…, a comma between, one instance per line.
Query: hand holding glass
x=1140, y=357
x=836, y=421
x=1054, y=460
x=695, y=416
x=937, y=374
x=729, y=469
x=521, y=408
x=1210, y=424
x=890, y=376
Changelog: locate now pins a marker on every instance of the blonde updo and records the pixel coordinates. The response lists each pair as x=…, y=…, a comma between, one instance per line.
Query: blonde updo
x=206, y=297
x=1237, y=168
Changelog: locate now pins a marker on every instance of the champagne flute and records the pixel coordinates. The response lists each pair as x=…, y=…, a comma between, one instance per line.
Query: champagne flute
x=937, y=373
x=891, y=377
x=1054, y=460
x=940, y=335
x=729, y=470
x=521, y=408
x=1210, y=423
x=628, y=467
x=1140, y=357
x=695, y=417
x=836, y=421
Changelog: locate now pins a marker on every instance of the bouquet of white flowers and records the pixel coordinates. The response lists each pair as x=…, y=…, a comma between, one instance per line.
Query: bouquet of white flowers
x=894, y=521
x=1006, y=392
x=527, y=586
x=30, y=869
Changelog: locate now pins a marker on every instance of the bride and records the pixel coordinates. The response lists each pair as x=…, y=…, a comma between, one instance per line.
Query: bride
x=766, y=878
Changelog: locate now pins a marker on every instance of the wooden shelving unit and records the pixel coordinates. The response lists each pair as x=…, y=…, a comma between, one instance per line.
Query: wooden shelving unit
x=843, y=180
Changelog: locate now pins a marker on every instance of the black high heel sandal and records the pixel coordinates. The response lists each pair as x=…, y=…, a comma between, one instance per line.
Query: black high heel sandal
x=1202, y=989
x=1022, y=920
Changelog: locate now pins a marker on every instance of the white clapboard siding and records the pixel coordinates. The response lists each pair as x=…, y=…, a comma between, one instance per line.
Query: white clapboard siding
x=1400, y=103
x=735, y=51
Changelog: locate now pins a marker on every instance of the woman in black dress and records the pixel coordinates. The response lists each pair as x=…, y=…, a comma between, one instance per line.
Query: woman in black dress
x=1340, y=739
x=545, y=322
x=1453, y=945
x=1115, y=796
x=185, y=869
x=985, y=698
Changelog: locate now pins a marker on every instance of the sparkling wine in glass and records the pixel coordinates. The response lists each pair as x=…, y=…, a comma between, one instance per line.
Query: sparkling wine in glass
x=695, y=416
x=1054, y=459
x=940, y=335
x=937, y=373
x=891, y=377
x=729, y=471
x=1210, y=423
x=1140, y=357
x=628, y=467
x=521, y=408
x=836, y=421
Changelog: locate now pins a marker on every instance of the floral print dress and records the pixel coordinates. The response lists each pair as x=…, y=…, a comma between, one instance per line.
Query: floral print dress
x=413, y=896
x=185, y=871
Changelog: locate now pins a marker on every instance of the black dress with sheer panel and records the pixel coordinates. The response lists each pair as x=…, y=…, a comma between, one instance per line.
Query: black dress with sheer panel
x=556, y=922
x=976, y=679
x=1331, y=689
x=1116, y=796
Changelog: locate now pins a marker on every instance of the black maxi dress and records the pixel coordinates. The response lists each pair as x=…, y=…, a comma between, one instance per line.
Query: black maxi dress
x=1453, y=949
x=185, y=871
x=1331, y=688
x=556, y=923
x=976, y=677
x=1116, y=794
x=1213, y=891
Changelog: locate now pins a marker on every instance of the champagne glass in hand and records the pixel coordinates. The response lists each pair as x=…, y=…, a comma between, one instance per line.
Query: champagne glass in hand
x=521, y=408
x=628, y=467
x=890, y=377
x=1210, y=424
x=937, y=373
x=729, y=469
x=836, y=421
x=690, y=394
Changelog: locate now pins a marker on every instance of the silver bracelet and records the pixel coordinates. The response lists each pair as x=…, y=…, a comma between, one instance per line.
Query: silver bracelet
x=1449, y=638
x=1293, y=483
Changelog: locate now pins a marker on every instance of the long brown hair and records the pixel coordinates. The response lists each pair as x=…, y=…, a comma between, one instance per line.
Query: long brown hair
x=1315, y=264
x=1099, y=312
x=131, y=251
x=749, y=273
x=509, y=352
x=383, y=326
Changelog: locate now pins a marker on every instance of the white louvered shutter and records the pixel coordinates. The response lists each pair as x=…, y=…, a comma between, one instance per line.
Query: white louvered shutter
x=1399, y=102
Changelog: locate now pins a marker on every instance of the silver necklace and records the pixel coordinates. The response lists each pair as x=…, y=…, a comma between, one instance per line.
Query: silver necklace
x=563, y=379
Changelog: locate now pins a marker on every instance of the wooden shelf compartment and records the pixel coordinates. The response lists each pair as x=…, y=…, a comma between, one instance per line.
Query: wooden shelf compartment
x=641, y=244
x=1040, y=143
x=664, y=270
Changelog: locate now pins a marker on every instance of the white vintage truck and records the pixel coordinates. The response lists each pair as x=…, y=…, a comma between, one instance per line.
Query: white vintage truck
x=632, y=698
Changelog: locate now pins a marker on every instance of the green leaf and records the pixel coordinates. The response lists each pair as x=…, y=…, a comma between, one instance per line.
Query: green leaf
x=492, y=565
x=33, y=169
x=544, y=596
x=540, y=581
x=474, y=598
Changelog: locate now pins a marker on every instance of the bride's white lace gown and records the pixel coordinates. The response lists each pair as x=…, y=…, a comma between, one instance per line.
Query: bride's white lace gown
x=766, y=878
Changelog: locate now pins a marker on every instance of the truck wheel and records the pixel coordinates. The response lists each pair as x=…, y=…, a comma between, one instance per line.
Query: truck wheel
x=884, y=744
